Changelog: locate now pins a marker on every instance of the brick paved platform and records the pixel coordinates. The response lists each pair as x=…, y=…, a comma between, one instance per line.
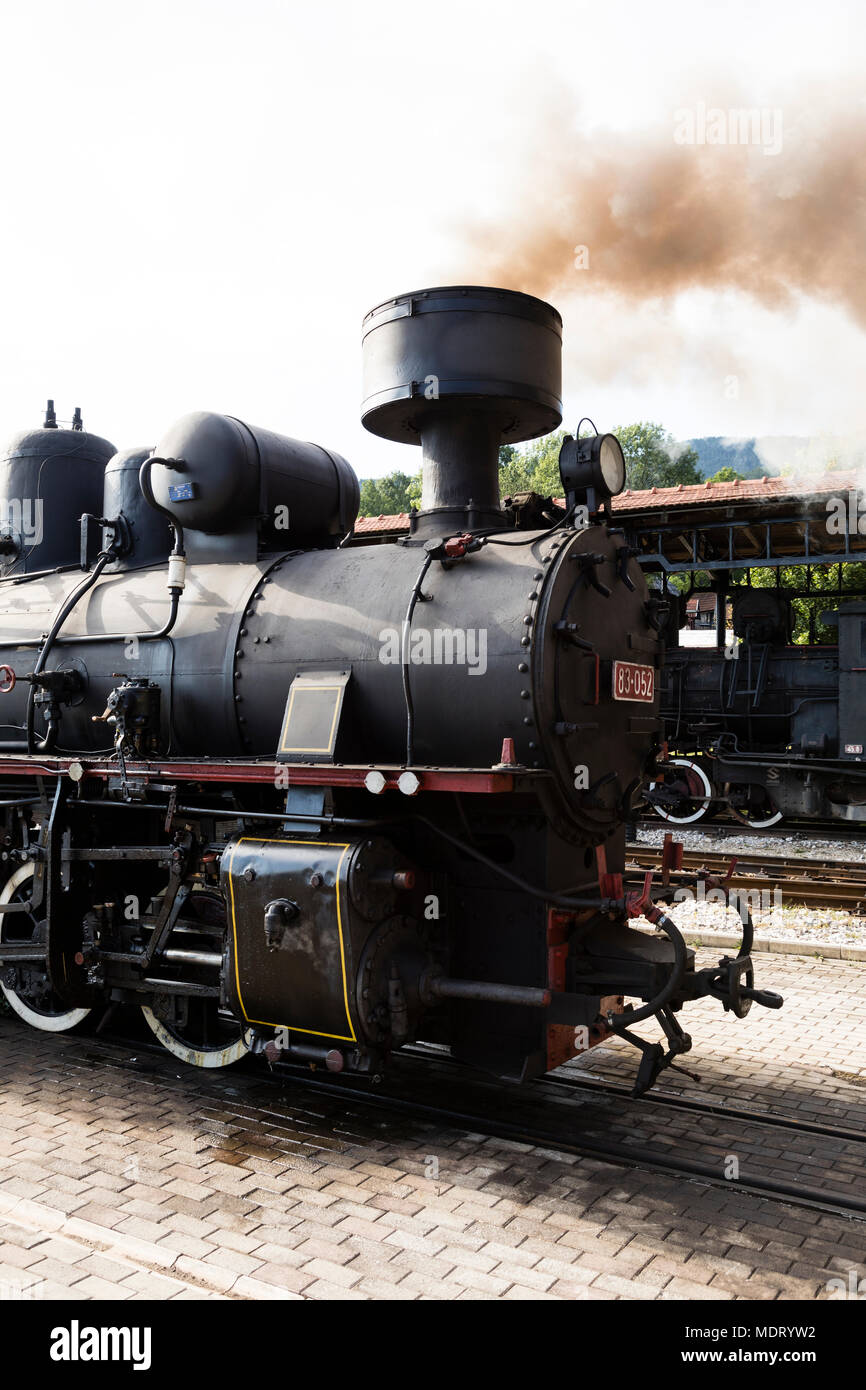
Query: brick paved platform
x=122, y=1179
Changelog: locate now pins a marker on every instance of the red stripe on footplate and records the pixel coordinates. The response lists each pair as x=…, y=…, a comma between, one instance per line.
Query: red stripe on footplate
x=480, y=780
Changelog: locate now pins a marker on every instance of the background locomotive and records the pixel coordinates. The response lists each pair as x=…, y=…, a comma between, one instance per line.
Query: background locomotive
x=779, y=731
x=285, y=794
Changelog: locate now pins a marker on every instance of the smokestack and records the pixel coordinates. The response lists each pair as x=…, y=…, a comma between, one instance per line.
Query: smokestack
x=461, y=370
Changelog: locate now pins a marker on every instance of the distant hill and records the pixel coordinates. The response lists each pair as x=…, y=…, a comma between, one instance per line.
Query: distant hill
x=777, y=453
x=715, y=452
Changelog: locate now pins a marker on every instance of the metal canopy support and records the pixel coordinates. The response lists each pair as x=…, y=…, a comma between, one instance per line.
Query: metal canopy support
x=718, y=545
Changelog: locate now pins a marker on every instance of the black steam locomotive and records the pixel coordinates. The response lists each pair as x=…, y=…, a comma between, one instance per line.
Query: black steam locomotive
x=763, y=727
x=303, y=798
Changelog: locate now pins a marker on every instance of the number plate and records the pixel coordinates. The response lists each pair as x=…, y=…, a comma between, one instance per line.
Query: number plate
x=633, y=682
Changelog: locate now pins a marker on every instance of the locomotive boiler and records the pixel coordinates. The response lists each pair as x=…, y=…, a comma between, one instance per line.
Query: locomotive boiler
x=295, y=796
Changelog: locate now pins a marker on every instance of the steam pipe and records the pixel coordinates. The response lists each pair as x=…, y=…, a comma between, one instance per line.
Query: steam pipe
x=406, y=654
x=460, y=463
x=147, y=491
x=46, y=743
x=440, y=987
x=329, y=1057
x=184, y=957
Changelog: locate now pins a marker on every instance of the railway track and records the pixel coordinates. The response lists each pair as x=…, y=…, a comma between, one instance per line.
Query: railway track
x=728, y=1112
x=576, y=1115
x=790, y=829
x=834, y=883
x=562, y=1112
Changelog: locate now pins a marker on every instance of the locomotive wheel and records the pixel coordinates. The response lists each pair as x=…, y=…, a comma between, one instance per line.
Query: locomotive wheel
x=760, y=817
x=693, y=785
x=42, y=1010
x=190, y=1027
x=202, y=1040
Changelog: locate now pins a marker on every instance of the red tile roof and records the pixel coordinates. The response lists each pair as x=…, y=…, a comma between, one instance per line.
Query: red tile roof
x=750, y=489
x=756, y=489
x=373, y=525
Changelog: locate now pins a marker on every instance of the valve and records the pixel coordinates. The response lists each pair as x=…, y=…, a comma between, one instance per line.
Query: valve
x=279, y=914
x=8, y=681
x=453, y=548
x=134, y=709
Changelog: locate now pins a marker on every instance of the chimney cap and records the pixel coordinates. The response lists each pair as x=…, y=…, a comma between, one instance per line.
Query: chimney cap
x=459, y=350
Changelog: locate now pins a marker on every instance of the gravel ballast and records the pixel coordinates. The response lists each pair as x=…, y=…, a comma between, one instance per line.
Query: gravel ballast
x=832, y=932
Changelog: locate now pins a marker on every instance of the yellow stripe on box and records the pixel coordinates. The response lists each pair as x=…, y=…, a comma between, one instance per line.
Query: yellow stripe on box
x=269, y=1023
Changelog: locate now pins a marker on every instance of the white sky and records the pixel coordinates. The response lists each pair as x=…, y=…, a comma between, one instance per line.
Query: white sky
x=201, y=199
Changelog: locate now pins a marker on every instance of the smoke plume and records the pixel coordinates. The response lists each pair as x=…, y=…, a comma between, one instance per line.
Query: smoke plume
x=778, y=216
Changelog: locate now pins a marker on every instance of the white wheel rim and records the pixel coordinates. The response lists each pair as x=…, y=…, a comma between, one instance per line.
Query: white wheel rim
x=764, y=823
x=195, y=1056
x=46, y=1023
x=761, y=824
x=707, y=791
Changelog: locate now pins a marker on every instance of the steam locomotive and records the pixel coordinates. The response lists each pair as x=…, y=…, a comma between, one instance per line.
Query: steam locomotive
x=766, y=728
x=294, y=797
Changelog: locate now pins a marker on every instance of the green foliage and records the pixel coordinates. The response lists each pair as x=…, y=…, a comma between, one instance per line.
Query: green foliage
x=413, y=492
x=825, y=582
x=726, y=475
x=534, y=468
x=654, y=459
x=386, y=496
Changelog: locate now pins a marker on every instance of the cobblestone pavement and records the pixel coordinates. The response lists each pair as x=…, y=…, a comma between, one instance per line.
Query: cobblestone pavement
x=122, y=1179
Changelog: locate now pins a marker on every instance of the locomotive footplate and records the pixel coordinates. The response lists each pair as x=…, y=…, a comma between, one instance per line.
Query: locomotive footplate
x=478, y=780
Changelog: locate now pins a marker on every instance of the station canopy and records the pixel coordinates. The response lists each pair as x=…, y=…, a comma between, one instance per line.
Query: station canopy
x=755, y=522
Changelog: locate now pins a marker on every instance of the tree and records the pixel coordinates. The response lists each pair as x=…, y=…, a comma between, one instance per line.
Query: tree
x=726, y=475
x=385, y=496
x=413, y=491
x=826, y=582
x=534, y=468
x=513, y=471
x=531, y=469
x=654, y=459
